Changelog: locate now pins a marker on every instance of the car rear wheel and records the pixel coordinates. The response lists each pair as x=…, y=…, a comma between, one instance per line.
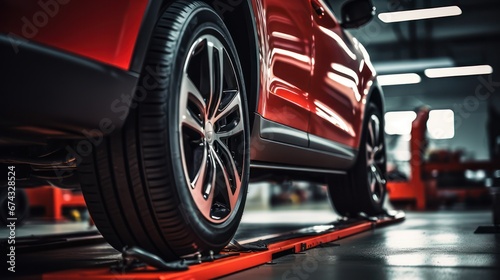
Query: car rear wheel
x=363, y=188
x=174, y=180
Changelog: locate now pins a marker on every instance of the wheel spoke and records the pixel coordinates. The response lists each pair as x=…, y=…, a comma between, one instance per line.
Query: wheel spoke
x=210, y=186
x=373, y=184
x=190, y=91
x=379, y=176
x=379, y=155
x=216, y=74
x=369, y=149
x=369, y=154
x=372, y=134
x=380, y=161
x=229, y=156
x=234, y=104
x=377, y=183
x=191, y=122
x=232, y=132
x=198, y=180
x=371, y=179
x=232, y=199
x=203, y=192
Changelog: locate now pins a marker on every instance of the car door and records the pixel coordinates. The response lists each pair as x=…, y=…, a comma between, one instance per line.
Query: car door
x=285, y=43
x=336, y=94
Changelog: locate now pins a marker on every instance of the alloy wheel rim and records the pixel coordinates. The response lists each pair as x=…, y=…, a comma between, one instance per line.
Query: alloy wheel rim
x=212, y=129
x=375, y=156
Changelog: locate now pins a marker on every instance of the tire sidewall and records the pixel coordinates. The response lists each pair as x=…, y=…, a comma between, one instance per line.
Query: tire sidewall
x=201, y=21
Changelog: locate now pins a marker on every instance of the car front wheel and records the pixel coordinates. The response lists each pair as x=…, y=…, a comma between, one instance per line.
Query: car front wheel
x=174, y=180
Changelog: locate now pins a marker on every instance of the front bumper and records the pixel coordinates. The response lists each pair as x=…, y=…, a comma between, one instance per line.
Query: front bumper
x=50, y=92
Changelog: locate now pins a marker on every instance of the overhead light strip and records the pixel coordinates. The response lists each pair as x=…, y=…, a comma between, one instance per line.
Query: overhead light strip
x=420, y=14
x=399, y=79
x=459, y=71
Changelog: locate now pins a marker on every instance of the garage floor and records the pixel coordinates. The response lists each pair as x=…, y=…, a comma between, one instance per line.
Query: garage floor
x=439, y=245
x=434, y=245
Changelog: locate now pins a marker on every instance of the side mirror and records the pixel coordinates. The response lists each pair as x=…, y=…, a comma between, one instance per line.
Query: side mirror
x=356, y=13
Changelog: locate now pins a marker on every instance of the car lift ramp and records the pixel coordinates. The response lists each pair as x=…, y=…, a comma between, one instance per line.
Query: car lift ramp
x=230, y=262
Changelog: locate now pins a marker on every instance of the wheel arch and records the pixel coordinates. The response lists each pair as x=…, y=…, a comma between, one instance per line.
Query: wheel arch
x=375, y=96
x=243, y=32
x=244, y=35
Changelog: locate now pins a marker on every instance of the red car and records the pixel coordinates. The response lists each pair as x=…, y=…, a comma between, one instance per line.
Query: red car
x=162, y=111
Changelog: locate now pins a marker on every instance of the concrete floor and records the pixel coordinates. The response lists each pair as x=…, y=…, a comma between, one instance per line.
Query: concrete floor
x=434, y=245
x=428, y=245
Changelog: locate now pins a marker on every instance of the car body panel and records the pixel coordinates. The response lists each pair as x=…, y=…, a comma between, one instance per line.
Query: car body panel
x=54, y=94
x=105, y=31
x=315, y=76
x=285, y=53
x=342, y=75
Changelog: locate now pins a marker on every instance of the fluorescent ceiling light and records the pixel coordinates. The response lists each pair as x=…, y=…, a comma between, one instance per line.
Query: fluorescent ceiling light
x=399, y=79
x=412, y=66
x=420, y=14
x=459, y=71
x=399, y=123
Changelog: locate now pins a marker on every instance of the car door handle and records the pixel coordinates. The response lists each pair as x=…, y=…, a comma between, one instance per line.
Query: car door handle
x=320, y=11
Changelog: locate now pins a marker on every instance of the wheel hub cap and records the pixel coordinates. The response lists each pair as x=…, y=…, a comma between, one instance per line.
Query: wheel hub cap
x=209, y=133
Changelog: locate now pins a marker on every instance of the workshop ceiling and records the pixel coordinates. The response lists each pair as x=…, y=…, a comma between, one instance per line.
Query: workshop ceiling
x=471, y=38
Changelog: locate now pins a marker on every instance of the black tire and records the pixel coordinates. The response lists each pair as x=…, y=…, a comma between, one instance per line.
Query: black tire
x=138, y=183
x=363, y=188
